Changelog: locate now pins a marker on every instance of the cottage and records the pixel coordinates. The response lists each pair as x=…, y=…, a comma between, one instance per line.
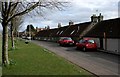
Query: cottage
x=107, y=35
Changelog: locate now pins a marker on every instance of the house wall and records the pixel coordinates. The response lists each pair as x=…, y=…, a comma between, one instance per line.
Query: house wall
x=53, y=39
x=112, y=45
x=41, y=38
x=119, y=46
x=76, y=39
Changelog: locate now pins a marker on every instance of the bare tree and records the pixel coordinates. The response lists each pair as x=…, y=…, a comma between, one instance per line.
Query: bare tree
x=17, y=24
x=14, y=27
x=22, y=8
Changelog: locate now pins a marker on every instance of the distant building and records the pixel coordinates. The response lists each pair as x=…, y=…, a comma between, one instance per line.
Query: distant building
x=39, y=29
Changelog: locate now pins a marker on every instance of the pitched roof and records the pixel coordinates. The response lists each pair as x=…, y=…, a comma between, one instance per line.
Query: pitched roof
x=110, y=27
x=59, y=31
x=66, y=31
x=41, y=33
x=50, y=32
x=75, y=30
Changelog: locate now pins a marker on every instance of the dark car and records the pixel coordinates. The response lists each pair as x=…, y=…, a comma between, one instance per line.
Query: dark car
x=66, y=41
x=86, y=44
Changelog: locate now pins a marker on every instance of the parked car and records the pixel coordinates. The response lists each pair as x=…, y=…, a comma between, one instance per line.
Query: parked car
x=86, y=44
x=23, y=37
x=29, y=38
x=66, y=41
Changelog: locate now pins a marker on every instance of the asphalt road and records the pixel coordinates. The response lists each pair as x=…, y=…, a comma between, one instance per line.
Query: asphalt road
x=97, y=62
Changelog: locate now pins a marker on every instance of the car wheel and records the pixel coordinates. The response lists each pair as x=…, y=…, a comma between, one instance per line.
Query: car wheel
x=77, y=48
x=96, y=49
x=60, y=44
x=84, y=49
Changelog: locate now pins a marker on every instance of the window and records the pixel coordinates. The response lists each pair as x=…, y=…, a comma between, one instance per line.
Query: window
x=67, y=39
x=58, y=32
x=61, y=32
x=91, y=41
x=78, y=28
x=80, y=41
x=72, y=32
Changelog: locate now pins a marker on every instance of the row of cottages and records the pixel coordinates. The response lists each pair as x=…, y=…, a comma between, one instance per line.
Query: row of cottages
x=104, y=32
x=75, y=31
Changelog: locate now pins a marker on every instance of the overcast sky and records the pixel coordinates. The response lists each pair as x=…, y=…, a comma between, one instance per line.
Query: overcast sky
x=78, y=11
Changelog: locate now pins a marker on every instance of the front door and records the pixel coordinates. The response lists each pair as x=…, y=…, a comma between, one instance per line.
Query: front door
x=101, y=43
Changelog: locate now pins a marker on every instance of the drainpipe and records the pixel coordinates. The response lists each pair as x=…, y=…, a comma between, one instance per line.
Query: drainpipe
x=105, y=41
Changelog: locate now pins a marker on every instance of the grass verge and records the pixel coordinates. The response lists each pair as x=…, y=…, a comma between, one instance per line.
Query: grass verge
x=31, y=59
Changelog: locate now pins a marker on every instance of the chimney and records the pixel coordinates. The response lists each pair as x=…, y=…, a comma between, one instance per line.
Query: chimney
x=59, y=25
x=71, y=23
x=48, y=27
x=100, y=17
x=37, y=29
x=94, y=18
x=45, y=27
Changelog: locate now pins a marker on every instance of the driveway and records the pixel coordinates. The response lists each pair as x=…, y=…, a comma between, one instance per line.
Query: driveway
x=97, y=62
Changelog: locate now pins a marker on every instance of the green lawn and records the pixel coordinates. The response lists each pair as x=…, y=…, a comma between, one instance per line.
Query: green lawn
x=32, y=59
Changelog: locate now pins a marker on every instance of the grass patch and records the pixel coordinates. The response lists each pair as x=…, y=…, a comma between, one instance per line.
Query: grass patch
x=32, y=59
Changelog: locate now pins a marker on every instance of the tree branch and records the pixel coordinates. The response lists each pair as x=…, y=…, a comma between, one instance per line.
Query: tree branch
x=25, y=11
x=14, y=7
x=8, y=10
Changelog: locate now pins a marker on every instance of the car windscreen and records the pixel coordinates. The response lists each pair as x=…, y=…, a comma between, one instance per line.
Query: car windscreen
x=67, y=39
x=81, y=41
x=91, y=41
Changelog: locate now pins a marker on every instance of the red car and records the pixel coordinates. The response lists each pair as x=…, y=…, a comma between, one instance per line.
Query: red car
x=66, y=41
x=86, y=44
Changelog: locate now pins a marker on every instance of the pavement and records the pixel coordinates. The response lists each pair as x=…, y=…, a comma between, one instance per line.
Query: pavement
x=99, y=63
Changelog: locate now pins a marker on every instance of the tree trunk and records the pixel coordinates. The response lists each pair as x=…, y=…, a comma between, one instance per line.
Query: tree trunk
x=18, y=34
x=12, y=36
x=5, y=59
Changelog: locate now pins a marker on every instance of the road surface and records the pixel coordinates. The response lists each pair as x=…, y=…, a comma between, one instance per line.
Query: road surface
x=97, y=62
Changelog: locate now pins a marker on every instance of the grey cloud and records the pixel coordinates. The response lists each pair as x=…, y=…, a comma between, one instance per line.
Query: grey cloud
x=79, y=13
